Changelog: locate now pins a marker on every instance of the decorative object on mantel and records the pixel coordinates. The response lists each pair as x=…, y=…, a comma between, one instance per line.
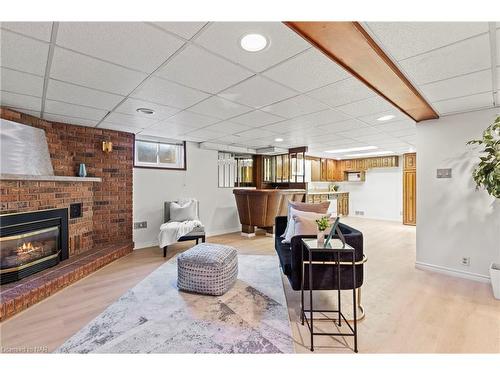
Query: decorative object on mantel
x=323, y=224
x=82, y=172
x=334, y=187
x=107, y=146
x=487, y=175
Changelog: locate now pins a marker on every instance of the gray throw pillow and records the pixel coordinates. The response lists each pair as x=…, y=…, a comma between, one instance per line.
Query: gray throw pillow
x=184, y=212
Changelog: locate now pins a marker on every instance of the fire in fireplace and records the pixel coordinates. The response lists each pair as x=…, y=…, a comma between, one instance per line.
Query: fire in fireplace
x=31, y=242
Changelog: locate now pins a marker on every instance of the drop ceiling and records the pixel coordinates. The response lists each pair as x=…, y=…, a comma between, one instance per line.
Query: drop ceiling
x=204, y=87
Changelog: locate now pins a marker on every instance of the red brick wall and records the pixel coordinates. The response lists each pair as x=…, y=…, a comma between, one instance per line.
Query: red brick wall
x=70, y=145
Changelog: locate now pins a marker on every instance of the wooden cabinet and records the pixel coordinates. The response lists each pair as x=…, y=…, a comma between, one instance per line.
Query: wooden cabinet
x=315, y=170
x=330, y=165
x=324, y=170
x=410, y=189
x=343, y=204
x=410, y=161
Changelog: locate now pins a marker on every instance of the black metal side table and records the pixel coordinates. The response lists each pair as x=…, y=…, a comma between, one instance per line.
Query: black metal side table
x=336, y=247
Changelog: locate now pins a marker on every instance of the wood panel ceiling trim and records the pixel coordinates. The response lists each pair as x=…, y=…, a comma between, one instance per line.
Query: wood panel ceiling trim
x=350, y=46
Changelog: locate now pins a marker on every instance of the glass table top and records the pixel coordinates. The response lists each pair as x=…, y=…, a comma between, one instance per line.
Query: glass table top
x=333, y=244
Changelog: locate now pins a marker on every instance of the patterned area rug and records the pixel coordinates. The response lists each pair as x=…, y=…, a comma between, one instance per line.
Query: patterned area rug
x=155, y=317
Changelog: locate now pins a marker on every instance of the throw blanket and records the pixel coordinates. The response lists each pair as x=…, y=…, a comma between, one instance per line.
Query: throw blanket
x=171, y=231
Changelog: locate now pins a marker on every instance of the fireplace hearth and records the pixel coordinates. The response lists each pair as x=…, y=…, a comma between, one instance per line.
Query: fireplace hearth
x=31, y=242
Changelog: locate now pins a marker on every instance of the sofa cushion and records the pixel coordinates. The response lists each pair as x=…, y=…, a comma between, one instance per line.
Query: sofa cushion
x=320, y=208
x=183, y=212
x=306, y=227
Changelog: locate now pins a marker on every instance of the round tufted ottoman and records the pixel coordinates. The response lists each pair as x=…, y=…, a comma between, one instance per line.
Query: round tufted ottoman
x=207, y=268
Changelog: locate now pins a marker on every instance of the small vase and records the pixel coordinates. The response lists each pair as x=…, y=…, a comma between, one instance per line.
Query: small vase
x=82, y=171
x=321, y=237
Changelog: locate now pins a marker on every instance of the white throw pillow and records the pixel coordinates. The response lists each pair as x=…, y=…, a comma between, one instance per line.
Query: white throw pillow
x=183, y=212
x=291, y=229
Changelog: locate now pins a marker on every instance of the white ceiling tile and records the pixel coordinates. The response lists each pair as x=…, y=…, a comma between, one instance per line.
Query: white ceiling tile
x=460, y=58
x=183, y=29
x=22, y=53
x=257, y=133
x=230, y=138
x=257, y=92
x=342, y=92
x=9, y=99
x=132, y=121
x=161, y=131
x=132, y=44
x=228, y=127
x=204, y=134
x=406, y=39
x=320, y=118
x=72, y=110
x=465, y=103
x=122, y=128
x=69, y=120
x=256, y=118
x=198, y=68
x=373, y=118
x=86, y=71
x=38, y=30
x=296, y=106
x=469, y=84
x=366, y=107
x=307, y=71
x=21, y=83
x=395, y=126
x=404, y=133
x=191, y=119
x=130, y=106
x=362, y=131
x=219, y=107
x=224, y=39
x=375, y=137
x=169, y=129
x=341, y=126
x=160, y=91
x=67, y=92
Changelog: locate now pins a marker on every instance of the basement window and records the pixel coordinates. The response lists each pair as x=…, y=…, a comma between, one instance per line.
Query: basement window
x=160, y=154
x=235, y=170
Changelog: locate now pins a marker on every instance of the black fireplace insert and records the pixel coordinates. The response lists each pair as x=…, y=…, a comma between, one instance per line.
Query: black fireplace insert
x=31, y=242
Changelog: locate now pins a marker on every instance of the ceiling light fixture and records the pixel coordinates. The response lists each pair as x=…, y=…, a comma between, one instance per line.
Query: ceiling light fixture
x=376, y=153
x=146, y=111
x=253, y=42
x=278, y=140
x=386, y=118
x=340, y=151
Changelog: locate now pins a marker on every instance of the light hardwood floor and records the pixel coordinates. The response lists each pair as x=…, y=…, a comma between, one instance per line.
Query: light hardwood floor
x=407, y=310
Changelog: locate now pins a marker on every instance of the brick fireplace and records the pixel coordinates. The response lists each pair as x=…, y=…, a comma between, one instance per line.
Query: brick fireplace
x=103, y=231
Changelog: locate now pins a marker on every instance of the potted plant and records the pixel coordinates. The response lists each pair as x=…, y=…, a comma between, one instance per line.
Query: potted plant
x=323, y=224
x=487, y=176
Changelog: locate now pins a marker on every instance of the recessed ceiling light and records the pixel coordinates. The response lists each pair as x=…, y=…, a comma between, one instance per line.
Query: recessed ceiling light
x=371, y=153
x=146, y=111
x=253, y=42
x=386, y=118
x=278, y=140
x=339, y=151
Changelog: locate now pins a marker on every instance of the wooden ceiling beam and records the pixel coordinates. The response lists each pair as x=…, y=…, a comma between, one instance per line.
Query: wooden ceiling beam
x=349, y=45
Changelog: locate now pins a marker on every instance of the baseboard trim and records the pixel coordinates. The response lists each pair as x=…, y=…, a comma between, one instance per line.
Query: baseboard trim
x=452, y=272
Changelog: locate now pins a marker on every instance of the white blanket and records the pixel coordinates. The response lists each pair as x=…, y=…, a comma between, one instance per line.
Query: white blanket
x=170, y=232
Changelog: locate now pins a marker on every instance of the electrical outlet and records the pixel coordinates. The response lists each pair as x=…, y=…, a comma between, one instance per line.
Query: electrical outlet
x=465, y=261
x=140, y=225
x=359, y=213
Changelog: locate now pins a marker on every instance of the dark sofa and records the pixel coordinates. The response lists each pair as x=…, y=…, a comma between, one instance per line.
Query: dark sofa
x=324, y=276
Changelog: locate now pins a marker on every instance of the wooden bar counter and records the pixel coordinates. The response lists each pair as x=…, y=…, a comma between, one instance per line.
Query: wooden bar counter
x=259, y=207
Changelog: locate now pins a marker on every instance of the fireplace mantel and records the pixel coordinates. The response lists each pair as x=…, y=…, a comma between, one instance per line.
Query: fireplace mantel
x=27, y=177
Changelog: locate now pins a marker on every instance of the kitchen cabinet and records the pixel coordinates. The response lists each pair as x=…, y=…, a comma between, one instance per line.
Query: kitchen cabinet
x=315, y=169
x=330, y=165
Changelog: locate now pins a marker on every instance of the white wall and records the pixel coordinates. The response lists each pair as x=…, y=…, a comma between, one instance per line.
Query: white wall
x=152, y=187
x=380, y=196
x=453, y=219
